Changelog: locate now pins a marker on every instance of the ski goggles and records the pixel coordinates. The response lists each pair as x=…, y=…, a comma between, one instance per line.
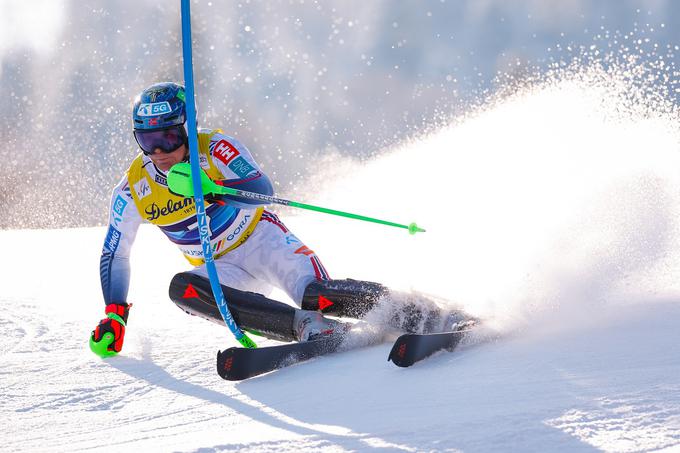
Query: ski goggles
x=167, y=140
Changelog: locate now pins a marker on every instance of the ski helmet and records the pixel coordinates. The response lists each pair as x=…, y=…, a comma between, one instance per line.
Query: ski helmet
x=159, y=106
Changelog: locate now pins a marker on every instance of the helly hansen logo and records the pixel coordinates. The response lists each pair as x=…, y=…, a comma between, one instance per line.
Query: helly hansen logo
x=225, y=151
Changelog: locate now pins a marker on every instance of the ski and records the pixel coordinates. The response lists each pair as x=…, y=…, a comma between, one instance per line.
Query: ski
x=412, y=347
x=236, y=364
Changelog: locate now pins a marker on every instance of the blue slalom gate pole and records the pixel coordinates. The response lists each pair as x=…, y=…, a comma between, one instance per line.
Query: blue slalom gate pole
x=203, y=227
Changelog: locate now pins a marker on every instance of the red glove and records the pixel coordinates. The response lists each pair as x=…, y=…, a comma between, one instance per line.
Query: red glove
x=107, y=338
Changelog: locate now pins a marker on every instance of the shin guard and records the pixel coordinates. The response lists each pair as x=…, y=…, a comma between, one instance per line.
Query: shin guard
x=251, y=311
x=351, y=298
x=409, y=312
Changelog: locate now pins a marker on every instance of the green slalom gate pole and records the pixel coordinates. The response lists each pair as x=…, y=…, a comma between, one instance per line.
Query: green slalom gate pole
x=201, y=217
x=180, y=182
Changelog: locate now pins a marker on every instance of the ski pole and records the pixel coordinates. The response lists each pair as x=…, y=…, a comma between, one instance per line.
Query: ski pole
x=180, y=182
x=197, y=192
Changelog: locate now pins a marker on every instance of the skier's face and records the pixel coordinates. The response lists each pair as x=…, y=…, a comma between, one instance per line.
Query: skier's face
x=164, y=160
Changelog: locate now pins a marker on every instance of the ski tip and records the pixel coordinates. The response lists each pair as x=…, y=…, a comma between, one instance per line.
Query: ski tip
x=400, y=354
x=225, y=361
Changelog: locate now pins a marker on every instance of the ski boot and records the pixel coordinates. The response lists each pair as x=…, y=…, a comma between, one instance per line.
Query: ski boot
x=312, y=325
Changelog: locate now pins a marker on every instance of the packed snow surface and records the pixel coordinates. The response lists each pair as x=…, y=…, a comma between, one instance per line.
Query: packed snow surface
x=552, y=214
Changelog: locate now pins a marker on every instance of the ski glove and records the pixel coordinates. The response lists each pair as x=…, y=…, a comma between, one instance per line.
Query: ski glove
x=106, y=339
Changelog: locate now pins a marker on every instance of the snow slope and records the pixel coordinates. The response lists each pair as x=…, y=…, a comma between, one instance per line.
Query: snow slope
x=547, y=214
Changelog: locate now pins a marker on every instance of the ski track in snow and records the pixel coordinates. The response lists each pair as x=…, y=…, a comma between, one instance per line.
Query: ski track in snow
x=574, y=265
x=609, y=385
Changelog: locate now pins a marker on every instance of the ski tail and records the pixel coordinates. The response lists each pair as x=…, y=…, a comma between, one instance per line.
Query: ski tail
x=412, y=348
x=236, y=364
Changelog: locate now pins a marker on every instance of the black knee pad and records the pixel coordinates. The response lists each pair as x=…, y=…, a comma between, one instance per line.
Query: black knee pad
x=251, y=311
x=352, y=298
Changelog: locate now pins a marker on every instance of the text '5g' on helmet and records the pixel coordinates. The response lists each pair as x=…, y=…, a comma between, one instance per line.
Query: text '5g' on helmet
x=159, y=106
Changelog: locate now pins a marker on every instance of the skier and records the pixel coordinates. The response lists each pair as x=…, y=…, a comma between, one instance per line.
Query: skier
x=254, y=251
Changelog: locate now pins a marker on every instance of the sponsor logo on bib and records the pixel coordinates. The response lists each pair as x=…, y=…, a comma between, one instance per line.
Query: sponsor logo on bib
x=142, y=188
